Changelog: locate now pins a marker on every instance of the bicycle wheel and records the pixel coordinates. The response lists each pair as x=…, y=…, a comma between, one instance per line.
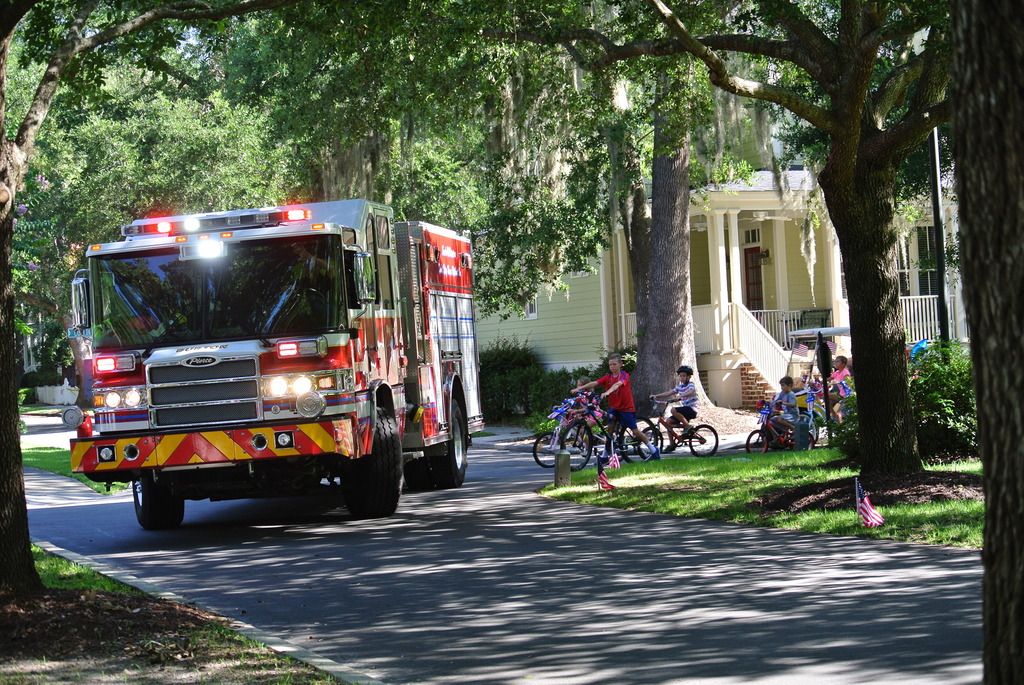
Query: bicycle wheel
x=578, y=440
x=544, y=449
x=632, y=448
x=703, y=440
x=756, y=441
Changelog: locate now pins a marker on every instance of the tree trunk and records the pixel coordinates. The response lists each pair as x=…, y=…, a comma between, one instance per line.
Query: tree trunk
x=17, y=570
x=988, y=68
x=666, y=340
x=861, y=207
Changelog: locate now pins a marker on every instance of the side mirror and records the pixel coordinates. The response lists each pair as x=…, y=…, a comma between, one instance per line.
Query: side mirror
x=363, y=272
x=80, y=314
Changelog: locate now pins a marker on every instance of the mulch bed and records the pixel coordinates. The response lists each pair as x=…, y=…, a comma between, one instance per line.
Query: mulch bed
x=915, y=488
x=62, y=624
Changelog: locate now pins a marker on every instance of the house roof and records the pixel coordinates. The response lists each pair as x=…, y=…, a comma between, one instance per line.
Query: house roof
x=795, y=179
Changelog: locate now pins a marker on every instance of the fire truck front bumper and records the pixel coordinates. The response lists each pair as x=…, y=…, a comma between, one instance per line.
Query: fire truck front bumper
x=112, y=453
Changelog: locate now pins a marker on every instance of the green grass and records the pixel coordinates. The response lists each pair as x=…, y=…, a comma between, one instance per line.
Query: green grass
x=40, y=409
x=59, y=573
x=57, y=460
x=725, y=488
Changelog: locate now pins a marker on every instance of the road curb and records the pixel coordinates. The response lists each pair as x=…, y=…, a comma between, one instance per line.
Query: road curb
x=339, y=672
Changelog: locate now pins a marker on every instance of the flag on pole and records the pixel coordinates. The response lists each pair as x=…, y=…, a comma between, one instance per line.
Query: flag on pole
x=602, y=481
x=613, y=461
x=831, y=346
x=871, y=517
x=800, y=350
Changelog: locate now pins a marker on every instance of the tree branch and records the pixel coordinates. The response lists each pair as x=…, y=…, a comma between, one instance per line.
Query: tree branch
x=893, y=90
x=720, y=76
x=787, y=51
x=76, y=44
x=908, y=133
x=817, y=43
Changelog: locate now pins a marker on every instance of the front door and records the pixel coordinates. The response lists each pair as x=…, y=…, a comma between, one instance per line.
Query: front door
x=752, y=278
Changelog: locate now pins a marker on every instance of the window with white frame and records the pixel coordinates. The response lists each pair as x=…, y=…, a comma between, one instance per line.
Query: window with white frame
x=530, y=308
x=752, y=236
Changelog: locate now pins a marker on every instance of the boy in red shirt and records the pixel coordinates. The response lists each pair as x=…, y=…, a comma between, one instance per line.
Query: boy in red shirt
x=620, y=399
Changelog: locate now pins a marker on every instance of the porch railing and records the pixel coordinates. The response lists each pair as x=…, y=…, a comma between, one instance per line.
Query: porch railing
x=757, y=344
x=703, y=328
x=778, y=322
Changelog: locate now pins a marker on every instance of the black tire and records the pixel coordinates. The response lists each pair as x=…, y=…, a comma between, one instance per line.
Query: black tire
x=703, y=440
x=633, y=449
x=449, y=467
x=373, y=484
x=156, y=507
x=578, y=440
x=417, y=475
x=756, y=441
x=544, y=451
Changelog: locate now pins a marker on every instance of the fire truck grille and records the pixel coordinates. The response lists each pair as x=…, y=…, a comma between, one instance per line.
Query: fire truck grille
x=197, y=396
x=222, y=413
x=206, y=392
x=235, y=368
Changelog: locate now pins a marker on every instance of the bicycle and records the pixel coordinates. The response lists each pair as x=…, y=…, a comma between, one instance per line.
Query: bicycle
x=768, y=435
x=702, y=438
x=617, y=439
x=566, y=434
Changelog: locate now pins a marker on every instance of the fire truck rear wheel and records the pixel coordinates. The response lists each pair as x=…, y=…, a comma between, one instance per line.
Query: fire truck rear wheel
x=449, y=467
x=373, y=484
x=156, y=507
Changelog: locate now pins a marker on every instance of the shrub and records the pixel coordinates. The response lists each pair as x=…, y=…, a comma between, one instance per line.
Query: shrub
x=23, y=395
x=943, y=400
x=945, y=409
x=35, y=379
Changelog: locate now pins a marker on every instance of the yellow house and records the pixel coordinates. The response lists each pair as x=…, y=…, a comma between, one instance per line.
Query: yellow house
x=751, y=286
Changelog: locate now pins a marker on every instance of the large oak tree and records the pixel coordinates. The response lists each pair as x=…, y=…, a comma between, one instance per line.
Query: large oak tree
x=71, y=39
x=988, y=69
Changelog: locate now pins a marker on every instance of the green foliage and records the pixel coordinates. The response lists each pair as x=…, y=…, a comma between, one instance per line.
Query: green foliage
x=513, y=383
x=23, y=395
x=53, y=349
x=943, y=400
x=942, y=394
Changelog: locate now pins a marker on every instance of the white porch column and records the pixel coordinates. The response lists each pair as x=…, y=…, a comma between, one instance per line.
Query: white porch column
x=622, y=266
x=954, y=283
x=605, y=267
x=719, y=284
x=779, y=260
x=834, y=269
x=735, y=260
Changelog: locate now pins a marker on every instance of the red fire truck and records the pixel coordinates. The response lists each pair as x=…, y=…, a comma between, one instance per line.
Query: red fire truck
x=277, y=351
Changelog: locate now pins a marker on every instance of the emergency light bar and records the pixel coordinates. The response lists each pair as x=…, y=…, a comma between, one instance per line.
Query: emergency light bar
x=205, y=224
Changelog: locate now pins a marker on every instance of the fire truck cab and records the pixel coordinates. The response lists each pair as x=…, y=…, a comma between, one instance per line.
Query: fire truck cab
x=273, y=351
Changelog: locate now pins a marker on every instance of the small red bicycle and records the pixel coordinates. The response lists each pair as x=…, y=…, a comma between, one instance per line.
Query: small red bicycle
x=768, y=436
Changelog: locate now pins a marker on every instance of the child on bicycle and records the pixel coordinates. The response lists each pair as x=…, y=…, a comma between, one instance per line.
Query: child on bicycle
x=784, y=403
x=686, y=392
x=619, y=392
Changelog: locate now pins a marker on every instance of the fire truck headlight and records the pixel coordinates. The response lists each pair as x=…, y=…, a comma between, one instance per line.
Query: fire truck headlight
x=310, y=405
x=132, y=398
x=302, y=385
x=277, y=386
x=210, y=249
x=112, y=400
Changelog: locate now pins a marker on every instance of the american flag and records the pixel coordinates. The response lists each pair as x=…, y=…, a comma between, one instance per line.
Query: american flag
x=871, y=517
x=613, y=461
x=602, y=481
x=800, y=350
x=831, y=346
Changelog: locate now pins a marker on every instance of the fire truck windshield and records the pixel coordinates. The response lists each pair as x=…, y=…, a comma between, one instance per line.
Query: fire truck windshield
x=258, y=289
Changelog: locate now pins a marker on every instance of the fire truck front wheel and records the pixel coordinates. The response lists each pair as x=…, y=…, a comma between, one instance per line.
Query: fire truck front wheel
x=373, y=484
x=156, y=507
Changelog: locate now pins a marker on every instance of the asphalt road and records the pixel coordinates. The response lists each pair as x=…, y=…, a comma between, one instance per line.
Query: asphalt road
x=494, y=584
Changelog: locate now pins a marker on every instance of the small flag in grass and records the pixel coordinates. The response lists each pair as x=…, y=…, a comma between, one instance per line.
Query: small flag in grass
x=613, y=461
x=870, y=516
x=602, y=482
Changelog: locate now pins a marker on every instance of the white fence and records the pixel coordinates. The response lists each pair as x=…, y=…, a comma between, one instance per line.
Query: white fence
x=778, y=322
x=703, y=328
x=56, y=394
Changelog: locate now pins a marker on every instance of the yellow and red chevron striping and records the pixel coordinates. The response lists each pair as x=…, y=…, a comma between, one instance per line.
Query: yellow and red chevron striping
x=211, y=447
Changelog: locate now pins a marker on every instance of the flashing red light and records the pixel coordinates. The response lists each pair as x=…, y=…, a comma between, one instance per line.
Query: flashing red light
x=287, y=349
x=163, y=226
x=124, y=362
x=297, y=214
